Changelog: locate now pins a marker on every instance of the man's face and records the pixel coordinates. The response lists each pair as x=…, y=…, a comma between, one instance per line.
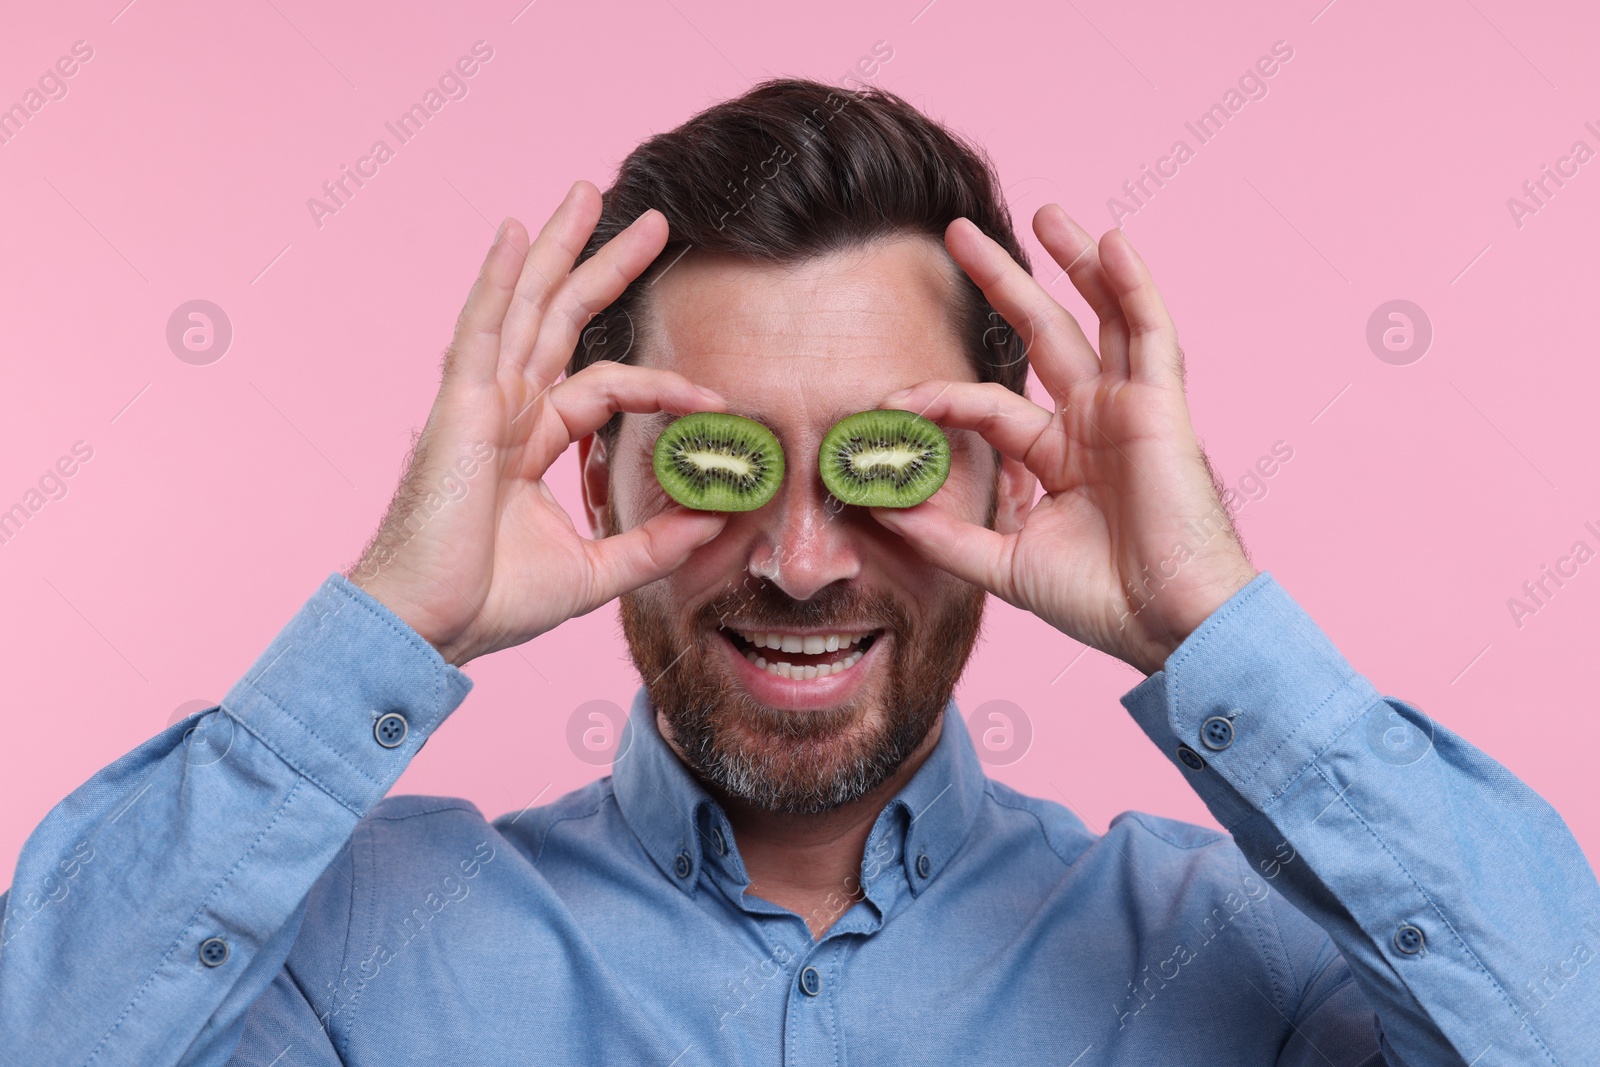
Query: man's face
x=871, y=638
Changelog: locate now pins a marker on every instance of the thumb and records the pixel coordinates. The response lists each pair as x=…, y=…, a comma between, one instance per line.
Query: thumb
x=654, y=550
x=972, y=553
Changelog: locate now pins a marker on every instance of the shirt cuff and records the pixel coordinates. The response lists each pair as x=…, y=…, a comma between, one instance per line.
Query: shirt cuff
x=1249, y=700
x=325, y=693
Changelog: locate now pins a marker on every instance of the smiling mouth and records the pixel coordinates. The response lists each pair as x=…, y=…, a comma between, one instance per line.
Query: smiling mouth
x=801, y=656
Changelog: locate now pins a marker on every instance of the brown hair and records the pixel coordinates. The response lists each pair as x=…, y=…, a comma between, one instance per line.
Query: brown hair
x=794, y=169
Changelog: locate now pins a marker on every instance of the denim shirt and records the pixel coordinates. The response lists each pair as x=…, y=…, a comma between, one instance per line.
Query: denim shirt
x=237, y=890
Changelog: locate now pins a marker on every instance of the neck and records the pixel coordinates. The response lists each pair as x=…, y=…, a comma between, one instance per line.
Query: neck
x=810, y=864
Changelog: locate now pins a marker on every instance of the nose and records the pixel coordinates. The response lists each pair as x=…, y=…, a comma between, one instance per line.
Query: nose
x=806, y=542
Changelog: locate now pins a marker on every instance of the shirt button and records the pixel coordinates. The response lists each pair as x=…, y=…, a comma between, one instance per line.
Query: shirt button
x=682, y=865
x=923, y=866
x=1190, y=758
x=810, y=982
x=1408, y=939
x=1216, y=733
x=391, y=729
x=718, y=841
x=213, y=952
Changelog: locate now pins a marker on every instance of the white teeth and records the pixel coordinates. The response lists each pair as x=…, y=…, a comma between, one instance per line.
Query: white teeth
x=810, y=644
x=807, y=673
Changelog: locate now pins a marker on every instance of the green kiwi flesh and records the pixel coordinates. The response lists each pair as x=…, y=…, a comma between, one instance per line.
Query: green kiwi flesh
x=884, y=459
x=709, y=461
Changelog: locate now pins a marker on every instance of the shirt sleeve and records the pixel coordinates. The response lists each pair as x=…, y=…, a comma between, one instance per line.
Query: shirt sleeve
x=158, y=900
x=1464, y=907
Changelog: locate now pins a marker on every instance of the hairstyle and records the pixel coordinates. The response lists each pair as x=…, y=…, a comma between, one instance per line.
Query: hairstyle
x=794, y=169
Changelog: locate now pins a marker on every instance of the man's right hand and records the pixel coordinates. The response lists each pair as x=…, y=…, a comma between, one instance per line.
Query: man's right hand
x=474, y=553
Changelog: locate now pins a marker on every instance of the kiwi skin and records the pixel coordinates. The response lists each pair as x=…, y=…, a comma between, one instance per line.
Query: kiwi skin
x=885, y=485
x=717, y=488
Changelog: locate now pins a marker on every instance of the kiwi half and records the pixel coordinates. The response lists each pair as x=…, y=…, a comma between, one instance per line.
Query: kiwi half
x=709, y=461
x=884, y=459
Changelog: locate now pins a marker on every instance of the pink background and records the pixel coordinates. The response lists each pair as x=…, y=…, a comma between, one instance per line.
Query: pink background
x=1418, y=500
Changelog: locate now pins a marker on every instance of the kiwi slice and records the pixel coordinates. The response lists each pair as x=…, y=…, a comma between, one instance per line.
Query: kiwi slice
x=884, y=459
x=709, y=461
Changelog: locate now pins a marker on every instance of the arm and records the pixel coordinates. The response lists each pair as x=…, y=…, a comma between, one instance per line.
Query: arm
x=1371, y=819
x=155, y=903
x=158, y=899
x=1449, y=886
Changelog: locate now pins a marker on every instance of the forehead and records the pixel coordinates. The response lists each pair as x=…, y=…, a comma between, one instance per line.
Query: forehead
x=811, y=341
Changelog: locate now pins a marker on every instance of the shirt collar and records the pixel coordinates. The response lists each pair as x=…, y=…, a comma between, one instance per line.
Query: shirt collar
x=682, y=827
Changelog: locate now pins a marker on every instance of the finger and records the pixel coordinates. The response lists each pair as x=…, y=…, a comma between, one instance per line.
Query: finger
x=1011, y=423
x=599, y=281
x=475, y=349
x=646, y=553
x=1152, y=338
x=546, y=264
x=1071, y=246
x=586, y=401
x=970, y=552
x=1059, y=352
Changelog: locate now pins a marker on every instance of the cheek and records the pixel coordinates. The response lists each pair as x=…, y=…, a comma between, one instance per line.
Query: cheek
x=967, y=490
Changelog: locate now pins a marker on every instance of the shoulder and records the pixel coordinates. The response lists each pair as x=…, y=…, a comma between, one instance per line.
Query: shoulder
x=1058, y=828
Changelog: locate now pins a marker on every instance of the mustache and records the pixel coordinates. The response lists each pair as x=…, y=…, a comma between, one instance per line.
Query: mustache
x=759, y=599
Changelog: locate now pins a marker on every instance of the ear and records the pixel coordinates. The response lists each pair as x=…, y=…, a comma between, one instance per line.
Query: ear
x=1014, y=496
x=595, y=467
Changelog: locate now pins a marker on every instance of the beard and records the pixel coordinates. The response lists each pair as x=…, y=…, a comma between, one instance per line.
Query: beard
x=800, y=762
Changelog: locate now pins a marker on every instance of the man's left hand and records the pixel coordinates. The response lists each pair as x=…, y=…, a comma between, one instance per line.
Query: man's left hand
x=1130, y=548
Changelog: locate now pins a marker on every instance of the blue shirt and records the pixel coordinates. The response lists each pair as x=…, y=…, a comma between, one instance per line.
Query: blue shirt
x=237, y=890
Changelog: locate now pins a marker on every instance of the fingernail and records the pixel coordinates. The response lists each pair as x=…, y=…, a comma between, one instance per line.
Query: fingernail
x=707, y=392
x=501, y=232
x=896, y=397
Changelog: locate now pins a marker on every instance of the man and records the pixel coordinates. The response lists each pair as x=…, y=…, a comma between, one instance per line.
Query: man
x=803, y=869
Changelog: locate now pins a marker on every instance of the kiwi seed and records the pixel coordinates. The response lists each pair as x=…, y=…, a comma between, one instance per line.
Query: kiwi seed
x=884, y=459
x=709, y=461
